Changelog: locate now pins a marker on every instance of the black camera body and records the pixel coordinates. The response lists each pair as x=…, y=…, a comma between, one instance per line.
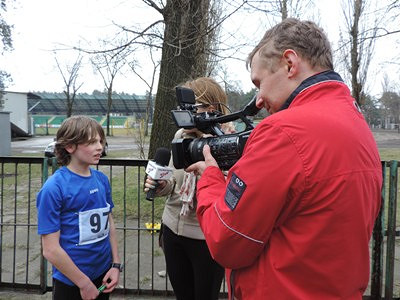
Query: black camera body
x=225, y=148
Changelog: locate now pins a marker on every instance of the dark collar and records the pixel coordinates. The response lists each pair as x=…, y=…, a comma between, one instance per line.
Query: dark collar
x=329, y=75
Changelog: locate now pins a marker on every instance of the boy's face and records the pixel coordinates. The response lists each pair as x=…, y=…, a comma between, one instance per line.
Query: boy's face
x=86, y=154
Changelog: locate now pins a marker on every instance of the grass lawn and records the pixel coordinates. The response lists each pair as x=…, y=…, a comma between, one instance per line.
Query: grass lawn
x=389, y=154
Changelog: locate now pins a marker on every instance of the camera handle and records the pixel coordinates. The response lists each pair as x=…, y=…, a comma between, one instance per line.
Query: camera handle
x=249, y=110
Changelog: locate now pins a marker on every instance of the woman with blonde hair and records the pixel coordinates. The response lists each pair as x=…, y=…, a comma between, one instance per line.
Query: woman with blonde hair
x=191, y=269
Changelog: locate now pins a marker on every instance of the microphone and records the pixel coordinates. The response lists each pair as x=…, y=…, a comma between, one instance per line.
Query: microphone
x=158, y=169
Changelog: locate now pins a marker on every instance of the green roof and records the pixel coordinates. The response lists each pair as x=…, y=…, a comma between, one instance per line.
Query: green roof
x=95, y=104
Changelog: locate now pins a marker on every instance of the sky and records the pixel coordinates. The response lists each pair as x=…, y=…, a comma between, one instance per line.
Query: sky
x=41, y=26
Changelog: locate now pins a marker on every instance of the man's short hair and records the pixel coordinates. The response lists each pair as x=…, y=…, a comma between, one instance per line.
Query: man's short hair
x=305, y=37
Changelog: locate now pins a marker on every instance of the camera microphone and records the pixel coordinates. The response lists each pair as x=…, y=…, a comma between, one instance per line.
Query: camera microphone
x=158, y=169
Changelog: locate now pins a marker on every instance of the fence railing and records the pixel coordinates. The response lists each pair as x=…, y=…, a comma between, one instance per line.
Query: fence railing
x=22, y=266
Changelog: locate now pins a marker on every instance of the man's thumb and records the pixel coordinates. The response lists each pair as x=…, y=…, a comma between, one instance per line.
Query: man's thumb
x=208, y=158
x=206, y=152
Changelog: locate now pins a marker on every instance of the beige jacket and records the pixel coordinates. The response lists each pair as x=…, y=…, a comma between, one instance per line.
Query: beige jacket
x=186, y=226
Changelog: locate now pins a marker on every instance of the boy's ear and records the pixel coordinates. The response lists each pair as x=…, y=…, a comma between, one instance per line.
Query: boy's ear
x=70, y=148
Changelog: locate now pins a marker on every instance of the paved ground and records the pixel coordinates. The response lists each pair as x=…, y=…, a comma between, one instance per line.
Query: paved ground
x=6, y=295
x=37, y=144
x=387, y=138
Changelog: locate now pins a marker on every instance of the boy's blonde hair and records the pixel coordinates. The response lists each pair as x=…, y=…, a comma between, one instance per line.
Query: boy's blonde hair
x=76, y=130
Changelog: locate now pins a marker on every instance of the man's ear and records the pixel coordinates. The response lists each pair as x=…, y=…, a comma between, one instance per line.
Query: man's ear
x=70, y=148
x=291, y=61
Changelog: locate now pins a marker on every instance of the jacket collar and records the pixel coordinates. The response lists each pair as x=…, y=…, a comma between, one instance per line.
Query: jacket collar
x=329, y=75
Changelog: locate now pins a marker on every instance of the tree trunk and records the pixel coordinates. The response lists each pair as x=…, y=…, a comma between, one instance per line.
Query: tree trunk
x=183, y=57
x=284, y=9
x=69, y=105
x=147, y=117
x=355, y=60
x=109, y=104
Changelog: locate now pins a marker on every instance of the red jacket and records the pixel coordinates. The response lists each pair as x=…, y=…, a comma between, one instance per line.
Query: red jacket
x=294, y=218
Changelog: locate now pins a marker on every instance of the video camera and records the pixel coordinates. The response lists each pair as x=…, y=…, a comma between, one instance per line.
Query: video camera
x=225, y=148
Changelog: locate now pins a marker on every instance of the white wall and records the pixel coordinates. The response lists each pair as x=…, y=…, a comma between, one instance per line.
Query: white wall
x=5, y=134
x=17, y=104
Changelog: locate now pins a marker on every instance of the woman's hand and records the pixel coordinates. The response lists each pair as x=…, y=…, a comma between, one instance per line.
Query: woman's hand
x=150, y=183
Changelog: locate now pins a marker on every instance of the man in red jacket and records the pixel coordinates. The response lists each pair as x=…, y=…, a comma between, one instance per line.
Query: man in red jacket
x=294, y=216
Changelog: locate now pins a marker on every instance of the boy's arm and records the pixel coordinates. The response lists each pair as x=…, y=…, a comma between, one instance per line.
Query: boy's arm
x=53, y=252
x=112, y=277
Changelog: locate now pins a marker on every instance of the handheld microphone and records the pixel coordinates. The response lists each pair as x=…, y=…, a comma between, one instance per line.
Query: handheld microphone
x=158, y=169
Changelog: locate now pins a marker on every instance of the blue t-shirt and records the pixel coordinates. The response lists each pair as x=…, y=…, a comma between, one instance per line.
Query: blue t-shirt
x=78, y=207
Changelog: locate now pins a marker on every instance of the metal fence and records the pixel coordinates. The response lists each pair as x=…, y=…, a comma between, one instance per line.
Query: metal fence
x=23, y=268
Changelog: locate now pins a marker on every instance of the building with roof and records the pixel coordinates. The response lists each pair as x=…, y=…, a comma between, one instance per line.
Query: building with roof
x=42, y=103
x=17, y=105
x=32, y=110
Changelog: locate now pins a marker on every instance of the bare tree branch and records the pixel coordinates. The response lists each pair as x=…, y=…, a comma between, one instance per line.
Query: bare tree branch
x=70, y=77
x=154, y=5
x=150, y=85
x=125, y=45
x=357, y=43
x=109, y=65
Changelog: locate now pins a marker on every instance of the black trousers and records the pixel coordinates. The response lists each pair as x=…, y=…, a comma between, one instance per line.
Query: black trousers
x=62, y=291
x=193, y=273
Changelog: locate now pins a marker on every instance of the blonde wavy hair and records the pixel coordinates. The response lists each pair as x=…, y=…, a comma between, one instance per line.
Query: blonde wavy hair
x=209, y=92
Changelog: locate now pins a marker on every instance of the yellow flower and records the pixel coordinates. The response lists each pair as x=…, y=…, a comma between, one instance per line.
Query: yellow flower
x=153, y=228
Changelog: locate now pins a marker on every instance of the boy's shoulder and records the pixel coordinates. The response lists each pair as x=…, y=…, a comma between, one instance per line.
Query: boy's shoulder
x=56, y=182
x=99, y=175
x=62, y=176
x=59, y=174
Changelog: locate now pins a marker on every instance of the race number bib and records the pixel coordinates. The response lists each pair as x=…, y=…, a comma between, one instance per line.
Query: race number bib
x=93, y=225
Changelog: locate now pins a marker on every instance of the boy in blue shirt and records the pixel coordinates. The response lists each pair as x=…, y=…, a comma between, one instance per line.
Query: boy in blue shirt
x=74, y=216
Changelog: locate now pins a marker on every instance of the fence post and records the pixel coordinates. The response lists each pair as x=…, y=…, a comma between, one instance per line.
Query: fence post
x=377, y=244
x=391, y=230
x=43, y=261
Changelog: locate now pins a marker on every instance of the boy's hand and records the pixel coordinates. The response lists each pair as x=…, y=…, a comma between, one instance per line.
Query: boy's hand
x=111, y=280
x=89, y=291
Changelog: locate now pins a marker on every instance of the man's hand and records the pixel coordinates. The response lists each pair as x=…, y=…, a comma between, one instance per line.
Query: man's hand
x=199, y=167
